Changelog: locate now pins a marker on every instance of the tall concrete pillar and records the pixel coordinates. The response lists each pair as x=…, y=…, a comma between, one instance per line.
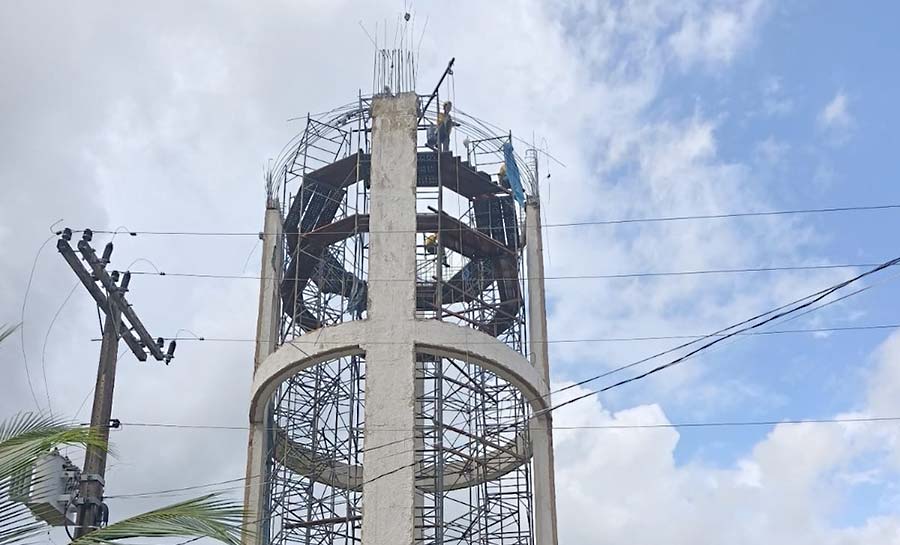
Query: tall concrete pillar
x=266, y=341
x=389, y=507
x=270, y=281
x=542, y=427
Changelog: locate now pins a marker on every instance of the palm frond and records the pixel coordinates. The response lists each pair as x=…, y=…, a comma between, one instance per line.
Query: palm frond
x=28, y=436
x=18, y=523
x=206, y=516
x=24, y=438
x=7, y=330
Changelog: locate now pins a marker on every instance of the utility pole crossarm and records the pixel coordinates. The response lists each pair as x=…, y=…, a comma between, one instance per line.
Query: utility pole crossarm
x=119, y=300
x=72, y=259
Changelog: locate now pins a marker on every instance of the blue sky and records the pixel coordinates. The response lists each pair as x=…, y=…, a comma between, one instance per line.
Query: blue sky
x=807, y=114
x=163, y=118
x=771, y=101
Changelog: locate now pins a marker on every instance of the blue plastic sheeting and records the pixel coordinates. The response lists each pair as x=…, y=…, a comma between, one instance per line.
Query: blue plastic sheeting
x=512, y=174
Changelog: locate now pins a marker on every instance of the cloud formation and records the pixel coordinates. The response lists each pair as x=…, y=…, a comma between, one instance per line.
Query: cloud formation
x=163, y=117
x=835, y=119
x=785, y=490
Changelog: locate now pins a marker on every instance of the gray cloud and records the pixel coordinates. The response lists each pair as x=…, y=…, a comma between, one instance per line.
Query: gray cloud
x=162, y=117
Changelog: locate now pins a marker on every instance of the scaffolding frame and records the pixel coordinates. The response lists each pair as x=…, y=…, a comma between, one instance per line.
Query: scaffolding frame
x=473, y=474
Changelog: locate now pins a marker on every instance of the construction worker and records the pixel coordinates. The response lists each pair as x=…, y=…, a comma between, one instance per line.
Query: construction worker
x=431, y=244
x=431, y=247
x=439, y=137
x=501, y=177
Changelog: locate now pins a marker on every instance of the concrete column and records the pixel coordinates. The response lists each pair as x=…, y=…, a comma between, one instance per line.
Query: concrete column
x=389, y=494
x=255, y=489
x=269, y=284
x=541, y=429
x=266, y=342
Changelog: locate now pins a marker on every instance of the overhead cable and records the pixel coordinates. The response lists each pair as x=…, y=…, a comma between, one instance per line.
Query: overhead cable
x=599, y=427
x=555, y=277
x=834, y=329
x=746, y=325
x=657, y=219
x=701, y=424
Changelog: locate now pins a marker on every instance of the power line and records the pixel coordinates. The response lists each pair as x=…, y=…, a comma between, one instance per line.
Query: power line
x=556, y=277
x=759, y=322
x=722, y=333
x=754, y=323
x=171, y=490
x=733, y=423
x=598, y=427
x=813, y=298
x=712, y=424
x=773, y=315
x=22, y=319
x=835, y=329
x=731, y=215
x=47, y=338
x=657, y=219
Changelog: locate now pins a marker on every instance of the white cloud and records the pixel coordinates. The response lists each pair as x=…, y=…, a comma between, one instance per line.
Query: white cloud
x=835, y=113
x=713, y=34
x=785, y=490
x=835, y=119
x=771, y=152
x=775, y=103
x=170, y=122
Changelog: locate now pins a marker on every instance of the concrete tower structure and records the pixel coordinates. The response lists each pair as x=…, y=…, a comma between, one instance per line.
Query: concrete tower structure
x=401, y=376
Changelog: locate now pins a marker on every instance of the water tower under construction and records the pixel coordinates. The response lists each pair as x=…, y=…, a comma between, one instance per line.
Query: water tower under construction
x=400, y=387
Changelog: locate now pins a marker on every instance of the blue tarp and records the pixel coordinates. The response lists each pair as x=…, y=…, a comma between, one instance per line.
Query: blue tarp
x=512, y=174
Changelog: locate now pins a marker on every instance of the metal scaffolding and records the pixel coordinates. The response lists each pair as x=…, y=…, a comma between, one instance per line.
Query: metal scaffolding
x=473, y=473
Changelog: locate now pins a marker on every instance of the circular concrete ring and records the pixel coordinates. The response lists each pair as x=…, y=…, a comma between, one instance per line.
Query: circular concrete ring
x=429, y=336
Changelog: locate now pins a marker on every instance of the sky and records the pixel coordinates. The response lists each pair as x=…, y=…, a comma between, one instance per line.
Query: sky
x=163, y=118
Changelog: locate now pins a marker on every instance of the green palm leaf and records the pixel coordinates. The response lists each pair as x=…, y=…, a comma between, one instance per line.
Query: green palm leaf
x=28, y=436
x=207, y=516
x=23, y=440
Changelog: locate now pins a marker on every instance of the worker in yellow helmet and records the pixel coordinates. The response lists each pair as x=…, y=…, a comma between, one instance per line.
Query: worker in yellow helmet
x=431, y=247
x=440, y=137
x=431, y=244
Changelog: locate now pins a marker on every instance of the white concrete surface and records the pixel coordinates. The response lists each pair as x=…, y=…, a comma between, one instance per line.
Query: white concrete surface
x=544, y=504
x=267, y=339
x=430, y=336
x=389, y=480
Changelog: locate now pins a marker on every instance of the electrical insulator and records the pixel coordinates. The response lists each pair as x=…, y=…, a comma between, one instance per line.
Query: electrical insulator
x=159, y=342
x=115, y=276
x=107, y=252
x=170, y=353
x=126, y=279
x=67, y=234
x=87, y=235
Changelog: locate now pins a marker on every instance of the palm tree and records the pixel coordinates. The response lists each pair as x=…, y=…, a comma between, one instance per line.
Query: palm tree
x=25, y=438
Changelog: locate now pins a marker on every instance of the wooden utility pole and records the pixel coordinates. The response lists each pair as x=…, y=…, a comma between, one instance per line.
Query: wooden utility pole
x=91, y=511
x=110, y=298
